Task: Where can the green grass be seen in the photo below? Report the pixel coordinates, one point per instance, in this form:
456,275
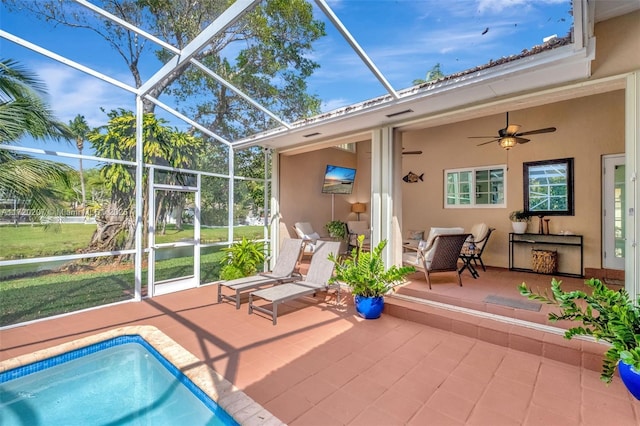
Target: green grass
47,294
42,296
26,241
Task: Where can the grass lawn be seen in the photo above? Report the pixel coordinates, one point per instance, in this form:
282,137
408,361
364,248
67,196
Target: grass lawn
47,294
26,299
26,241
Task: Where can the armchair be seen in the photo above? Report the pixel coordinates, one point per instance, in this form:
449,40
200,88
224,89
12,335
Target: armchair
355,228
309,237
440,253
474,248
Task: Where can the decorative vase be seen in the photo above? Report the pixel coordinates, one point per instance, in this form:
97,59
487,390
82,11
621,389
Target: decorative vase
519,227
631,378
369,307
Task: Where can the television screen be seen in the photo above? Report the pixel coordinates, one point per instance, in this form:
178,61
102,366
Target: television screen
338,180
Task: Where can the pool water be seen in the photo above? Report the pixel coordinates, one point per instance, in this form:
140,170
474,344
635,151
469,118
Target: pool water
123,381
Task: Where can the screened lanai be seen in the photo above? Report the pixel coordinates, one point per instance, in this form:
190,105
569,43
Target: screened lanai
262,94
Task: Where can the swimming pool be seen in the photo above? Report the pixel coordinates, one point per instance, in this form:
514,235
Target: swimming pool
134,347
119,381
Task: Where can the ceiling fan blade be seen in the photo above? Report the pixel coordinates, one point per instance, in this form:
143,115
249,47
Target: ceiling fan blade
484,143
411,152
480,137
536,132
521,140
512,129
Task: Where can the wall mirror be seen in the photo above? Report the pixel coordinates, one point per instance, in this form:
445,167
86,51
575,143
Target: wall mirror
548,187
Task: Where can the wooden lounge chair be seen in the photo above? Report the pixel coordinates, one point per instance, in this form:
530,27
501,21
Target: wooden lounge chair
317,279
283,272
440,256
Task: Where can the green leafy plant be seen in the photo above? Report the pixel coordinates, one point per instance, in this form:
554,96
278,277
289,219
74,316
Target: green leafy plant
519,216
617,320
242,259
364,272
337,229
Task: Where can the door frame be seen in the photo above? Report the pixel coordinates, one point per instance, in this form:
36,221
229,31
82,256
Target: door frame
157,288
609,261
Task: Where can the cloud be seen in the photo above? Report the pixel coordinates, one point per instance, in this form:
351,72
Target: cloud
72,92
498,6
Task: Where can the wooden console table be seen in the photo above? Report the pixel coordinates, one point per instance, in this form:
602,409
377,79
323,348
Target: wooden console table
566,246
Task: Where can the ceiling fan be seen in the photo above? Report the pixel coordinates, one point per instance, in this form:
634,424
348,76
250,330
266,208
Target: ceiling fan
510,136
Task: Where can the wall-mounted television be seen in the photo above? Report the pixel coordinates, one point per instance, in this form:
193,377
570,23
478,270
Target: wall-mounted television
338,180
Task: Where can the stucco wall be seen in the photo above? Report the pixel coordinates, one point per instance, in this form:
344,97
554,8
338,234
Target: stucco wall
587,128
301,197
617,46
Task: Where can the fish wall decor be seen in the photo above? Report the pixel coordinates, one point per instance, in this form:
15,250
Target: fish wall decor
413,178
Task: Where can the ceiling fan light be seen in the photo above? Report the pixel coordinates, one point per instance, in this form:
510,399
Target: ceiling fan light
508,142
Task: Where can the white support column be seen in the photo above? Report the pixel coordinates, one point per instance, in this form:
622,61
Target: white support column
139,200
232,174
384,191
632,149
196,231
273,219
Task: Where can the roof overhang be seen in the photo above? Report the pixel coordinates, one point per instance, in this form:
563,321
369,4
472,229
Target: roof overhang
549,68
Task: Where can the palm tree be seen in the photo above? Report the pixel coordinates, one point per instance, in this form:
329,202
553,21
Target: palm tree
79,129
23,112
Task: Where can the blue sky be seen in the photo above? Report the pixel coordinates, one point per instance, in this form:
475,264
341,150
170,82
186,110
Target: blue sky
404,38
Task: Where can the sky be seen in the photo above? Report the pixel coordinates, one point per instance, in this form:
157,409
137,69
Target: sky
404,38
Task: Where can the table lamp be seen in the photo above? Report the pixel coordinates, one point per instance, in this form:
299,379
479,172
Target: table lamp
358,208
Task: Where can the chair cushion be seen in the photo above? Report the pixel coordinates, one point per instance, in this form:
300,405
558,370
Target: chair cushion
416,235
479,232
358,227
433,233
303,229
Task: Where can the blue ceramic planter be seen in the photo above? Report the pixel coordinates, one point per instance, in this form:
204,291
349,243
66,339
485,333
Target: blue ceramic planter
631,378
369,307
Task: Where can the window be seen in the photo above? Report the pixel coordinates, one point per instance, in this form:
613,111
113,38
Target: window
475,187
548,187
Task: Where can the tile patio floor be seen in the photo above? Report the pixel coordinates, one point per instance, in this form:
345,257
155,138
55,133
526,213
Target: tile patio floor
322,365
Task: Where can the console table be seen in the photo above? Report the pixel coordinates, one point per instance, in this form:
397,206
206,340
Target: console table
568,247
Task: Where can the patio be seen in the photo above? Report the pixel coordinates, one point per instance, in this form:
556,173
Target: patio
323,365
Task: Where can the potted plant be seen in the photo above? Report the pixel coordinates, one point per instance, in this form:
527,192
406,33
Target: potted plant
617,322
365,274
337,229
242,260
519,221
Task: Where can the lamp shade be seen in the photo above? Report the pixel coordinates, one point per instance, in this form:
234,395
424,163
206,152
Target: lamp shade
358,208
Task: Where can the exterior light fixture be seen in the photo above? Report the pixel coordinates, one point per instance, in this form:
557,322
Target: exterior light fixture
508,142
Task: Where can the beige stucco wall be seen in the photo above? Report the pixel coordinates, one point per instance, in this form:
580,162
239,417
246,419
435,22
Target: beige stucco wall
301,197
587,128
617,46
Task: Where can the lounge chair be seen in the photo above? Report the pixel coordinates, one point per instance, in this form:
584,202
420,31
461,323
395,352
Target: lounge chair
283,271
317,279
441,255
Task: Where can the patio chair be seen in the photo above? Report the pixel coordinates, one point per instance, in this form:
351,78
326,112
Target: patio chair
355,228
283,271
441,255
474,248
317,279
309,237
